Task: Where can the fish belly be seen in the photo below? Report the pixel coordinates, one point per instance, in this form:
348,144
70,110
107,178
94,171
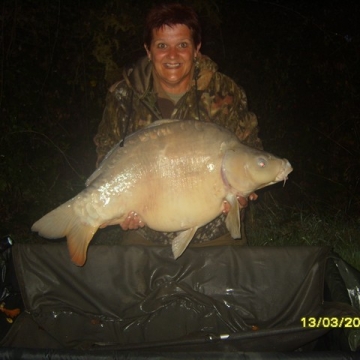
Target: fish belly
173,205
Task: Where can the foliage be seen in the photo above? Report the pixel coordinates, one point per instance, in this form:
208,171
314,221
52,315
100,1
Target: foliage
46,108
117,37
269,224
298,62
300,70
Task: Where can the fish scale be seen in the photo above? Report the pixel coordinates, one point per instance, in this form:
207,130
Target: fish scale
175,174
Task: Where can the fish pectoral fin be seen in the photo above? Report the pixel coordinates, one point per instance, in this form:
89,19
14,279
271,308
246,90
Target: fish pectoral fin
232,220
78,241
180,243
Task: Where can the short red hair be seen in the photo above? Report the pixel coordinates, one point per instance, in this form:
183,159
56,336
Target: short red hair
170,15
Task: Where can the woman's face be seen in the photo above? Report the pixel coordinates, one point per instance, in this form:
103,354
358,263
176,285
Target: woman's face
172,52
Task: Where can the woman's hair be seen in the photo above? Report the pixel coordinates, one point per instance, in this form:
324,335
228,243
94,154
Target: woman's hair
170,15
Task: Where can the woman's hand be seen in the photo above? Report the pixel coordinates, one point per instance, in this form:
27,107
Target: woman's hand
243,202
132,222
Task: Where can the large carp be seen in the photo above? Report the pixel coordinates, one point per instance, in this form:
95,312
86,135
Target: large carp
175,175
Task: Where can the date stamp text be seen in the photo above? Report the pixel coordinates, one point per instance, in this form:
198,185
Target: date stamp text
330,322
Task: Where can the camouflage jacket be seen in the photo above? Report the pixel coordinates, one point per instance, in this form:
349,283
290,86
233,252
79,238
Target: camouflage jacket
132,103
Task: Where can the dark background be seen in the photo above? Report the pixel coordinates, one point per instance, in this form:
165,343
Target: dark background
298,62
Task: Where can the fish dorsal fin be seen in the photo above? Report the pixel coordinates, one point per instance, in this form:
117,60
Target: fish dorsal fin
99,170
160,122
233,217
93,176
180,243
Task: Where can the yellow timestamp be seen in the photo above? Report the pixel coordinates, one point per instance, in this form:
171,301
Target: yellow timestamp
330,322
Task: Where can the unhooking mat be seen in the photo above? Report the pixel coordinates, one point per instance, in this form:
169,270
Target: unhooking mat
211,298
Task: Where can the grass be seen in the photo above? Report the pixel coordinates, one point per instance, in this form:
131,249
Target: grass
269,224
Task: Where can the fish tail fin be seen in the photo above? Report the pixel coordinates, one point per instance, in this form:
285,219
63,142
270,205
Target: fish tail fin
180,243
55,224
63,222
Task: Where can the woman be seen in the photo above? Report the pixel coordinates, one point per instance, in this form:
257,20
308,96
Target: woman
174,81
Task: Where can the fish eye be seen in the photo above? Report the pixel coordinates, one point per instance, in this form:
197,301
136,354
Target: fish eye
261,162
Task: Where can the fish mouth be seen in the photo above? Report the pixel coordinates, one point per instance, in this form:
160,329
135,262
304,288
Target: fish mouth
285,171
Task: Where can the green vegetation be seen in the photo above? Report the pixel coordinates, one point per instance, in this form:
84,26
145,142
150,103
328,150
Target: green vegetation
298,62
270,224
